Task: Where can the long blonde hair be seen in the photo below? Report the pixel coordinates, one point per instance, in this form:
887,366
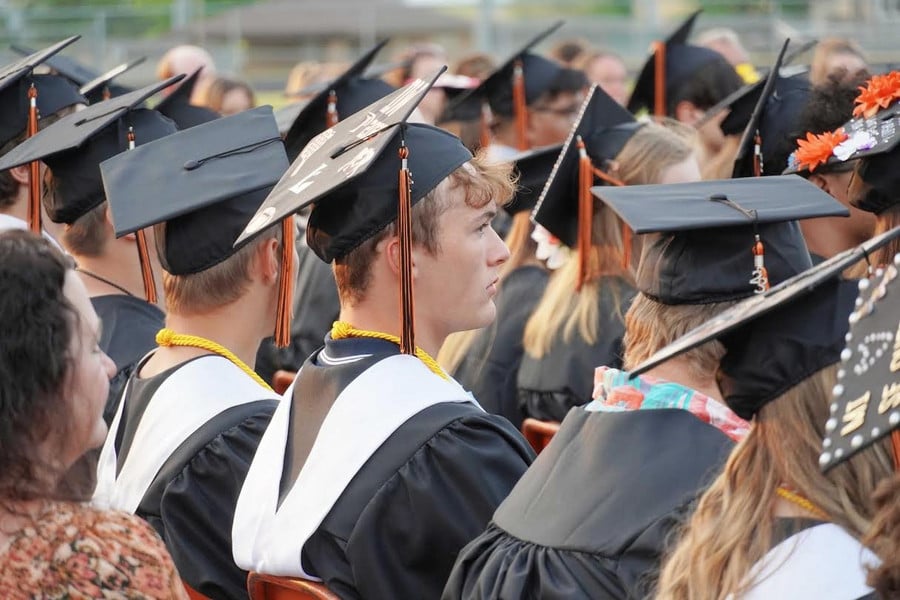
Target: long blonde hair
562,310
731,529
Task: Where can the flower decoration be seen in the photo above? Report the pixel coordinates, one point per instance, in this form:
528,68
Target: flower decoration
549,248
815,150
879,92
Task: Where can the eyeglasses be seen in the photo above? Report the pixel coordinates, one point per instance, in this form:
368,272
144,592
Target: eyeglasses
569,112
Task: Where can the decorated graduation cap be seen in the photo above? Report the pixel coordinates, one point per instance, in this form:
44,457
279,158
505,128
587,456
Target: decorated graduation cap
102,87
866,399
672,62
350,174
344,96
720,240
18,76
205,183
565,207
777,340
177,105
65,66
533,168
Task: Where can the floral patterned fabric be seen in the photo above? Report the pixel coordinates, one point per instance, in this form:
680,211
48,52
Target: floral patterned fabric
76,552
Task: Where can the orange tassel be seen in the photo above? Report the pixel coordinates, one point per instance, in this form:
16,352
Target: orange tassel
760,276
626,246
895,445
608,178
585,214
757,155
520,106
331,113
106,93
659,97
146,268
285,308
485,129
34,183
404,230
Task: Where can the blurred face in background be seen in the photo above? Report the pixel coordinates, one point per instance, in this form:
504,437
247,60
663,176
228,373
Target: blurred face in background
609,72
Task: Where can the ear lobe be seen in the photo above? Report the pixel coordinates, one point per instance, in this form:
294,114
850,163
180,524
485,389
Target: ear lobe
21,174
820,182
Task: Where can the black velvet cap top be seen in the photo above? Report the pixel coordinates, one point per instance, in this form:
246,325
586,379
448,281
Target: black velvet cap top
177,105
351,173
707,231
533,168
97,88
777,339
866,402
65,66
205,183
682,61
74,146
54,93
605,128
14,71
353,93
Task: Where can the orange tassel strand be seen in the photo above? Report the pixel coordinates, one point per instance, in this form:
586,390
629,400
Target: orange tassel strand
757,155
659,98
143,251
760,276
34,183
331,113
895,446
285,307
404,229
520,106
585,213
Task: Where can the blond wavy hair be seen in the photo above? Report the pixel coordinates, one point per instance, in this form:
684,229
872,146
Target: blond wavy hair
731,529
652,149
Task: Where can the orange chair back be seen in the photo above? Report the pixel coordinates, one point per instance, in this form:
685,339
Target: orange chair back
539,433
194,594
271,587
282,380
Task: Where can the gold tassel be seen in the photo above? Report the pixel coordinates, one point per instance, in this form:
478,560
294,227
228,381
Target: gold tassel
143,251
285,308
626,246
34,183
331,113
659,97
585,214
520,106
404,229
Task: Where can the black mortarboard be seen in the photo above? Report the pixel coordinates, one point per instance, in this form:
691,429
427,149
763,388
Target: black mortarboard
74,146
605,127
286,115
682,61
866,405
102,87
352,92
708,250
533,168
205,183
177,105
54,93
69,68
755,307
12,72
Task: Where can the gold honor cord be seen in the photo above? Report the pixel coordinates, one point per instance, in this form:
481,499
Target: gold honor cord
802,502
166,337
343,330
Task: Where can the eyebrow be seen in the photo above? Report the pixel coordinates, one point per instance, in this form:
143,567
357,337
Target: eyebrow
488,214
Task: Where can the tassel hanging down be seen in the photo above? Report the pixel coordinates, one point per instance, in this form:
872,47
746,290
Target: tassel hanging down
404,229
659,80
331,113
143,251
285,307
760,276
34,182
585,214
520,106
757,155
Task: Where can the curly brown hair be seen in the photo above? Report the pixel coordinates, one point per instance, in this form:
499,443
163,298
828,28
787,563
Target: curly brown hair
884,538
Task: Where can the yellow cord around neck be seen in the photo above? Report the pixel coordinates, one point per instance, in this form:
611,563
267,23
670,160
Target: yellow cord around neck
341,330
167,337
797,499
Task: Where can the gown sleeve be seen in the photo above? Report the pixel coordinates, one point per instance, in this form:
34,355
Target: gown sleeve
408,536
197,505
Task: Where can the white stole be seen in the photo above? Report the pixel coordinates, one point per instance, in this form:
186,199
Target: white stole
269,538
195,393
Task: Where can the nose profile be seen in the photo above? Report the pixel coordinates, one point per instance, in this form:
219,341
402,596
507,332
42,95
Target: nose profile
499,252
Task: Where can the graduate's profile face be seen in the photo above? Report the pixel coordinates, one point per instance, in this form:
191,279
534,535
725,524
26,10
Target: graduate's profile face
90,371
455,287
550,120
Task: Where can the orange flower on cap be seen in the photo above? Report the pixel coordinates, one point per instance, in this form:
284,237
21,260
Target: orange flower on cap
878,93
815,150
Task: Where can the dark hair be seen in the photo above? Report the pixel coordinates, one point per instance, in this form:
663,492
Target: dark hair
8,185
37,324
706,87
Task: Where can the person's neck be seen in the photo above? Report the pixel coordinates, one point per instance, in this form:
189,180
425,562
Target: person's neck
676,369
227,326
18,209
828,236
372,316
118,265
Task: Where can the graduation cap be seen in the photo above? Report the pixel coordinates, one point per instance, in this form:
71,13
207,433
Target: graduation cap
54,93
565,207
205,183
177,105
101,87
533,168
672,62
455,86
866,399
17,75
68,67
721,240
344,96
286,115
350,172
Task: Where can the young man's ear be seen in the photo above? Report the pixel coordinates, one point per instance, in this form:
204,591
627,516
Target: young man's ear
687,112
267,260
392,255
21,174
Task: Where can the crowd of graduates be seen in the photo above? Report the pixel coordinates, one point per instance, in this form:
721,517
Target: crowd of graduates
516,329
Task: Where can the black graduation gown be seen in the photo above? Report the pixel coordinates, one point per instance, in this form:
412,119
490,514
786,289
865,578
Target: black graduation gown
549,386
191,500
129,332
490,368
429,489
591,516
